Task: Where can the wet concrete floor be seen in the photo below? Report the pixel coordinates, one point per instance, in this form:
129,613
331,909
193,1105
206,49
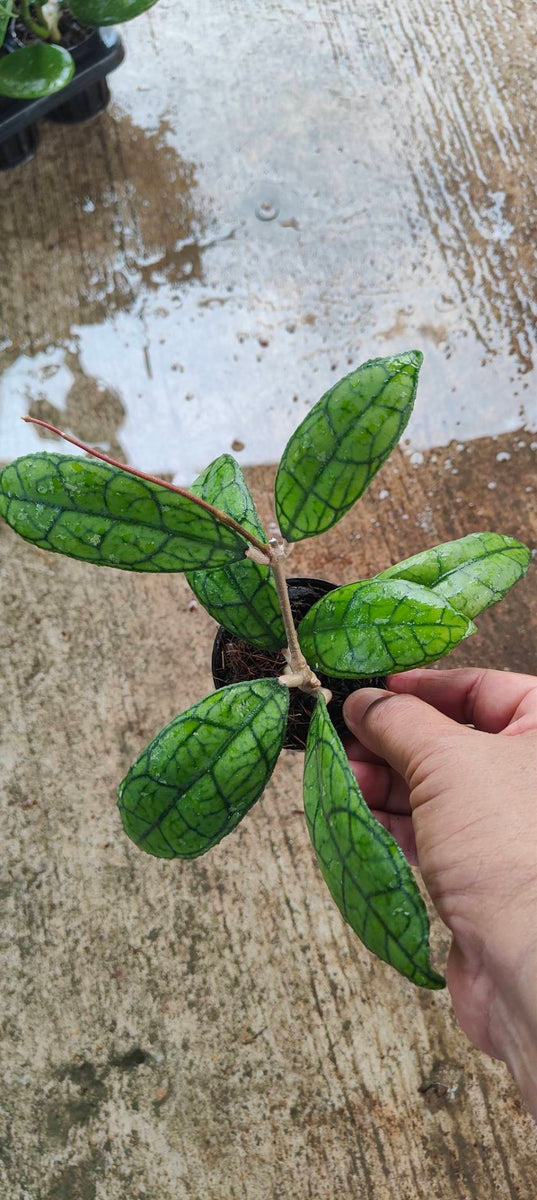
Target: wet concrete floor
272,199
275,195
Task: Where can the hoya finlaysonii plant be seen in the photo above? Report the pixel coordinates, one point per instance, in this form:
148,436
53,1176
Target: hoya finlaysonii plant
34,62
202,773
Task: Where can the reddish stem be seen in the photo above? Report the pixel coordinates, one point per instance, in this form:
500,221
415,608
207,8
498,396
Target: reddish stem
223,517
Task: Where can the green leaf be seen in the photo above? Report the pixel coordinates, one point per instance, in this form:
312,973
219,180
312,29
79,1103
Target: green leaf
333,455
374,627
472,573
108,12
36,70
103,515
6,10
364,869
222,483
202,773
241,597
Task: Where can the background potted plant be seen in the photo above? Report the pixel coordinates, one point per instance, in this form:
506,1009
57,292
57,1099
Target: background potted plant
202,773
54,59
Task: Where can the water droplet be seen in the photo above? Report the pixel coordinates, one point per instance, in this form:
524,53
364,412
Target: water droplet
266,210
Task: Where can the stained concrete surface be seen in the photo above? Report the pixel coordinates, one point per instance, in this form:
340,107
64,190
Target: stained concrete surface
211,1030
394,146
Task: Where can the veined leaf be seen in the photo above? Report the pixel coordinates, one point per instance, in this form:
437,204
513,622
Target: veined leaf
241,597
365,870
222,483
36,70
472,573
379,626
333,455
108,12
103,515
202,773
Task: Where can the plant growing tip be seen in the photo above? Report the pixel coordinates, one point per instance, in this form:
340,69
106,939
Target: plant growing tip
201,774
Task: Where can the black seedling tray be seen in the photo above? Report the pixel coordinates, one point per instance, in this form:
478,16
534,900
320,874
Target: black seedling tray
84,97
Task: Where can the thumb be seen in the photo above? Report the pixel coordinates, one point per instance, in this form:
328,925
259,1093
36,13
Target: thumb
399,728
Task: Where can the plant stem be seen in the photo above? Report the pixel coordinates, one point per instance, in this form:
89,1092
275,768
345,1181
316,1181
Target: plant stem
299,673
223,517
297,662
41,31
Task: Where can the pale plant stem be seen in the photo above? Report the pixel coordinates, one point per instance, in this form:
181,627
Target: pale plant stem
299,673
51,13
297,662
223,517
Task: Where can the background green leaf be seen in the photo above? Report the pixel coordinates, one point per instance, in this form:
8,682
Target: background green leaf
108,12
472,573
103,515
202,773
6,10
241,597
333,455
365,871
36,70
375,627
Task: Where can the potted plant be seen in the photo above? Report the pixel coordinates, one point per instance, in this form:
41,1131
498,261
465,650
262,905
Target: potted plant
54,60
283,651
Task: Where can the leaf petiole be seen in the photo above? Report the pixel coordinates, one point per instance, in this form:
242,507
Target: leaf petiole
34,26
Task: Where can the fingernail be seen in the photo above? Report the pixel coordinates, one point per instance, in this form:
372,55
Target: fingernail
357,704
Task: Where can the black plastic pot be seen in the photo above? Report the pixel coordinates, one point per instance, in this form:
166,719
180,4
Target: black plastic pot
234,660
84,97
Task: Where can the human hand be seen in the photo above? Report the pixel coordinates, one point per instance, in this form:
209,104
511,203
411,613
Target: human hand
462,802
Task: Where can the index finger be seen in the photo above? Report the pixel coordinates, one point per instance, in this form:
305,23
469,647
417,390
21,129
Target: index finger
488,699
